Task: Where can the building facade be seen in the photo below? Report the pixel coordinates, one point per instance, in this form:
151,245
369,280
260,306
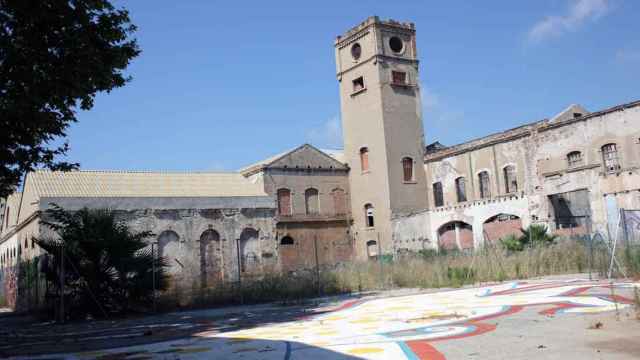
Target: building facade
385,193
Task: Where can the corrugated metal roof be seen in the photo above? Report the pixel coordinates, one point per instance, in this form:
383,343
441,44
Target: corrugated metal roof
143,184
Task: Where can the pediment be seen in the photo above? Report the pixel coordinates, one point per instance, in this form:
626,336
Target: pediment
305,157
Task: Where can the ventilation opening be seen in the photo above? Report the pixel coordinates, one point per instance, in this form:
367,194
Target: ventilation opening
287,240
358,84
396,44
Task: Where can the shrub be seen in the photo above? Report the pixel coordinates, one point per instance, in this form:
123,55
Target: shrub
534,235
108,268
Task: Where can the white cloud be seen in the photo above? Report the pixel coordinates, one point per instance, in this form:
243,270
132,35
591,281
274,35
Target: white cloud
578,14
628,55
327,135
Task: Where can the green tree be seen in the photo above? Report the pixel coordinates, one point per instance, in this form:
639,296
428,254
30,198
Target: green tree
55,56
108,268
533,235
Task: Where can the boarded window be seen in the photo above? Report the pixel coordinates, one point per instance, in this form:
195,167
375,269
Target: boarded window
284,202
358,84
407,169
372,248
339,202
485,185
574,159
364,159
510,179
399,77
461,189
311,201
438,197
368,213
610,157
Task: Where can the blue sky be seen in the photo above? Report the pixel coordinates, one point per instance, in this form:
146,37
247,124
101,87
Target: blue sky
222,84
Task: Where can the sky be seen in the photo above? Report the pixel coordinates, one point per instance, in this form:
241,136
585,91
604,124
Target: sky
222,84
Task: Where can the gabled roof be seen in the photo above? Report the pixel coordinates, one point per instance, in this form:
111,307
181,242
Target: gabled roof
46,183
304,156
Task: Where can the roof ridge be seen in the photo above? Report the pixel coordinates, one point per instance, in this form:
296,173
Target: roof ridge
139,171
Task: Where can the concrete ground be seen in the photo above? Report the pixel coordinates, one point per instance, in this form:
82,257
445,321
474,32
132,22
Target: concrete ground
551,318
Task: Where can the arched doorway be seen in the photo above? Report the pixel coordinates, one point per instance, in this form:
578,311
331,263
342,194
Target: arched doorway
249,250
168,247
500,226
455,235
211,265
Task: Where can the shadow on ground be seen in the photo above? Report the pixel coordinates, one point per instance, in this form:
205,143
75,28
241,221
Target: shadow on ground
22,335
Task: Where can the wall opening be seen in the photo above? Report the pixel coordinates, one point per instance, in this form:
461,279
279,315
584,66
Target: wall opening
287,240
284,202
438,196
485,185
500,226
372,248
369,215
455,235
407,169
364,159
311,201
461,189
510,179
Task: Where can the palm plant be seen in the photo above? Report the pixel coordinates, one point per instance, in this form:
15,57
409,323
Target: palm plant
107,267
533,235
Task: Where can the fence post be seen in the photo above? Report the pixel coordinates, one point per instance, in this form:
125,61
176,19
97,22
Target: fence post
380,261
153,271
62,282
315,247
239,271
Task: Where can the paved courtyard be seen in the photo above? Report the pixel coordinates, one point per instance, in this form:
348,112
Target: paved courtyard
568,319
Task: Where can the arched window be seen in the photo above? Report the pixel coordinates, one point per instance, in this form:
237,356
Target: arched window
287,240
610,157
407,169
510,179
574,159
249,250
372,248
311,201
339,201
485,185
438,196
461,190
6,219
167,244
364,159
284,202
368,213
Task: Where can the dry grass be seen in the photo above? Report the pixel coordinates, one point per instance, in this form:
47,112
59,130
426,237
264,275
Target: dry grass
426,270
489,264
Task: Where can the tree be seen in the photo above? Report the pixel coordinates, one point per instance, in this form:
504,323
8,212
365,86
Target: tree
55,56
107,267
533,235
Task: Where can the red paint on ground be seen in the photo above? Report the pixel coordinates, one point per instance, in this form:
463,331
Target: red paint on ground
424,351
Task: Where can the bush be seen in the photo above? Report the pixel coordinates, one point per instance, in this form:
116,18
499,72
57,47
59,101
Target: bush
534,235
108,268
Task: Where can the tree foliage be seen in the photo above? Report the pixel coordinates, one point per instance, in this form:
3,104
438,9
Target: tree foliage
107,267
55,56
534,235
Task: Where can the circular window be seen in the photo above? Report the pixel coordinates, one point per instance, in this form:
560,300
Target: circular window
356,51
396,44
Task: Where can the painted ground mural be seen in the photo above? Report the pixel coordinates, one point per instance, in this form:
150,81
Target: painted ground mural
406,327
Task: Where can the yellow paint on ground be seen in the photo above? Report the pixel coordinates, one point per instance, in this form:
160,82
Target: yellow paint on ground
365,350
